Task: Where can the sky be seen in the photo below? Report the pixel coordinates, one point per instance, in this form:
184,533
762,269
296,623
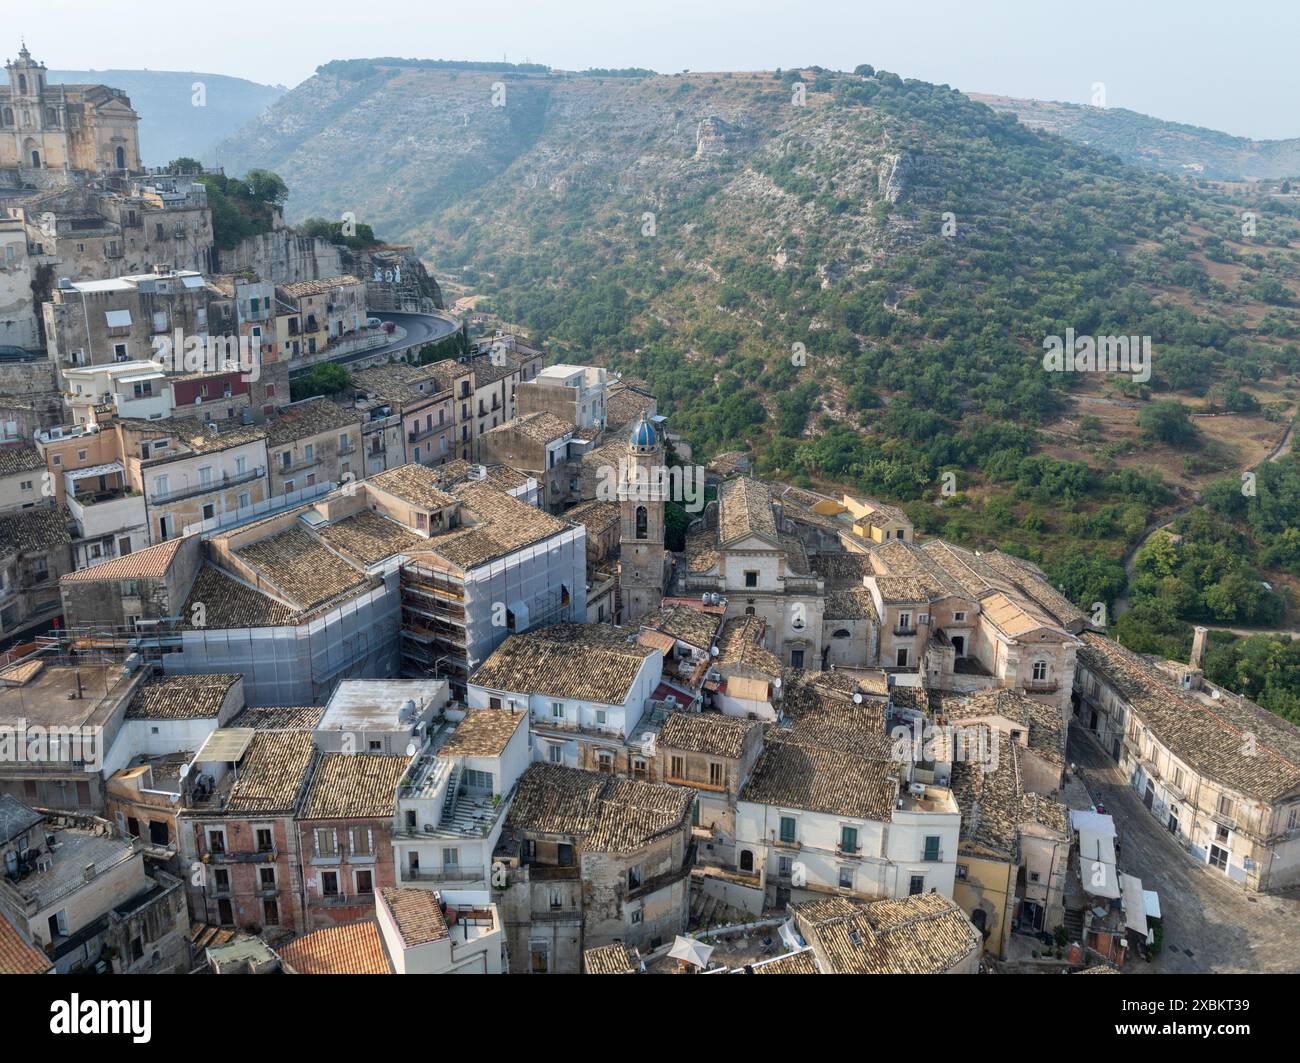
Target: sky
1226,66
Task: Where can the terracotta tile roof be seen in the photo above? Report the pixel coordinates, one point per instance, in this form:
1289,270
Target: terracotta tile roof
625,406
300,568
272,773
692,626
616,958
193,436
711,733
303,420
1033,582
906,589
181,697
354,786
16,955
231,603
850,603
701,551
416,913
1207,738
590,662
841,568
153,562
414,484
596,516
482,733
298,289
15,460
369,537
540,427
1042,722
745,508
353,948
34,531
923,934
279,717
990,800
501,525
816,779
1101,968
502,477
739,646
610,814
819,713
802,962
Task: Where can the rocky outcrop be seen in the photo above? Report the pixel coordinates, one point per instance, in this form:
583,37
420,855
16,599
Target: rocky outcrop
714,137
395,279
894,172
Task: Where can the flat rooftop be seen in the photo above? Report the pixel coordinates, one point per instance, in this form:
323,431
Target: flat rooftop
376,704
67,695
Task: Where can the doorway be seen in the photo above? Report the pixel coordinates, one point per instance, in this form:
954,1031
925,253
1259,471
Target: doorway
959,645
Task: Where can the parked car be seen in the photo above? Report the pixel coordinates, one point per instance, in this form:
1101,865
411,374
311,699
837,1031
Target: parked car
389,327
373,322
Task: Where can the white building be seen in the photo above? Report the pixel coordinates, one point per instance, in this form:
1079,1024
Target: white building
812,820
452,932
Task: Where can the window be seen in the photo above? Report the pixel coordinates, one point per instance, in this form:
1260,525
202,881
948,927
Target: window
600,717
271,912
365,880
1225,806
1292,819
751,578
677,767
557,710
264,840
266,878
846,878
962,872
555,754
309,452
916,885
216,840
904,621
494,703
849,839
1221,834
642,523
634,877
1040,671
958,617
796,658
902,657
327,842
329,884
1178,778
605,762
221,880
788,829
361,841
784,867
637,917
715,774
1034,876
1218,858
478,780
931,849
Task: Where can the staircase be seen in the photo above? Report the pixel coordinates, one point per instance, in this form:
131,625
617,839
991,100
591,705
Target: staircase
453,791
1074,924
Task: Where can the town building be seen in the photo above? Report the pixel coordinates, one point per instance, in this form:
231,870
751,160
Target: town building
448,932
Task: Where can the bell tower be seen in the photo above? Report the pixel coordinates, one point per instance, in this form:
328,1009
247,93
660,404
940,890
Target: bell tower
642,492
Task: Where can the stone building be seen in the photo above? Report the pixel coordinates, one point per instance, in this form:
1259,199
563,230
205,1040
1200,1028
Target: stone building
64,127
588,860
642,495
1218,771
312,442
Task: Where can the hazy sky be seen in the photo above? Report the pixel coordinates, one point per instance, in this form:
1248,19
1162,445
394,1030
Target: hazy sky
1229,66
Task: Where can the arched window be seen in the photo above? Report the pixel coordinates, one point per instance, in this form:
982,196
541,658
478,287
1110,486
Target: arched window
9,116
121,159
842,633
36,160
642,522
22,84
51,116
746,860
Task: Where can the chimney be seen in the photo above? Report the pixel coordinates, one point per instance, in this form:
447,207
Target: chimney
88,872
1198,646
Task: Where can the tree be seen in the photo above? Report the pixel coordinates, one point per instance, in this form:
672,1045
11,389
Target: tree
266,187
1166,420
864,70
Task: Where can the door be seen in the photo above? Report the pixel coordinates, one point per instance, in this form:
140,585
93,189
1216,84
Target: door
1218,857
959,645
225,916
1150,795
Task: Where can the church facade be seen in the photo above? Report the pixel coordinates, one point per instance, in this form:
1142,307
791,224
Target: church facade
64,127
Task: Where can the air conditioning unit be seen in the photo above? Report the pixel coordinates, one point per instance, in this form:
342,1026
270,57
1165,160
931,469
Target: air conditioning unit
429,828
916,789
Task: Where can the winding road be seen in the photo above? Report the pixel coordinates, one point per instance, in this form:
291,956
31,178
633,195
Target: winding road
419,330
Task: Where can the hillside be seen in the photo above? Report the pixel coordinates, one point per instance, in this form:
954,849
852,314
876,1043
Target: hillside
170,125
1153,144
858,289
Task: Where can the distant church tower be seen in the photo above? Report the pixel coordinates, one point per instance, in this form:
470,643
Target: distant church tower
641,497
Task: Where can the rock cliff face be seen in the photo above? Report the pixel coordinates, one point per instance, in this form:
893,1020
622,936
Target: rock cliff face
895,171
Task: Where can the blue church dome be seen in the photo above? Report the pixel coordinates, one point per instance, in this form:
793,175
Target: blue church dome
643,434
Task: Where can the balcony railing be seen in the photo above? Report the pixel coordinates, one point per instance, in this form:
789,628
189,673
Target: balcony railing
216,484
1042,686
909,629
460,873
932,856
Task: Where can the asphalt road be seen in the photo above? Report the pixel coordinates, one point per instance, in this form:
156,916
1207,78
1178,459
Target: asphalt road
1211,925
420,329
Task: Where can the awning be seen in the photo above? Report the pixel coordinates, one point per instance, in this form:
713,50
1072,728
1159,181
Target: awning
1097,822
1097,870
1151,903
118,318
1135,915
228,744
747,689
106,469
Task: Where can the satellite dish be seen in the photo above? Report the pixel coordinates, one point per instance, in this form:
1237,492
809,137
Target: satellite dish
776,683
713,652
857,699
410,749
185,771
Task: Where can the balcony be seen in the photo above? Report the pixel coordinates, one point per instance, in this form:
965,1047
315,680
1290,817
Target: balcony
216,484
1041,686
107,512
423,433
459,873
932,856
901,630
553,872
